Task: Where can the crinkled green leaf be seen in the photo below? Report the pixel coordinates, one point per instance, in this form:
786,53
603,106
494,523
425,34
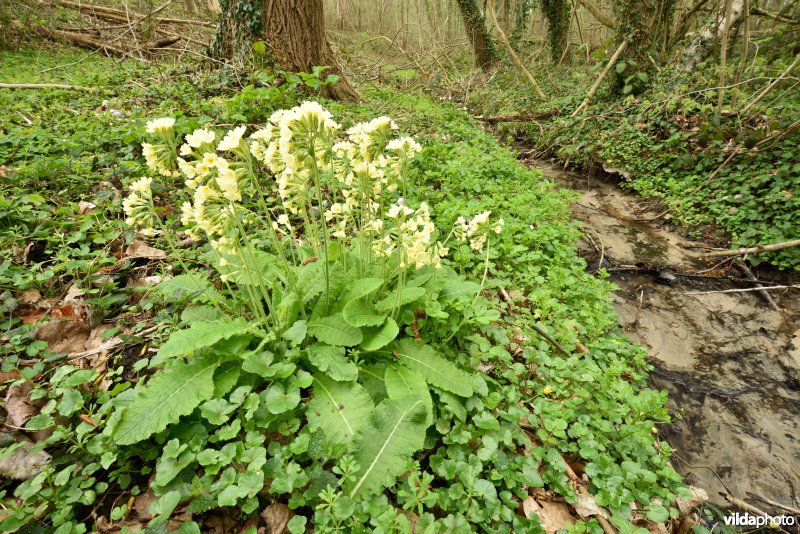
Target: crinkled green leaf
379,336
173,392
402,382
437,371
332,361
339,409
199,336
383,447
359,313
333,330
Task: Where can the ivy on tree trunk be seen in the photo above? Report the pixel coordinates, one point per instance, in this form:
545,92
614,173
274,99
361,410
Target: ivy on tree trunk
294,34
485,53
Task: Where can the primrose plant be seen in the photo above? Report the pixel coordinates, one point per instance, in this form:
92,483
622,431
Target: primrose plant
328,344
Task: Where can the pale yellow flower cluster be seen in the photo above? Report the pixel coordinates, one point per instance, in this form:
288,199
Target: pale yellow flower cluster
138,206
411,234
476,230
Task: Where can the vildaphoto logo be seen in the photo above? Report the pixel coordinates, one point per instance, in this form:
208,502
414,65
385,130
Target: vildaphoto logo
766,520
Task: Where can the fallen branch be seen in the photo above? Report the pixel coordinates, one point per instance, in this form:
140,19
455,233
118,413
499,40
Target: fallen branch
493,119
601,17
753,250
48,86
775,16
511,51
82,40
795,511
764,294
747,507
122,15
607,527
746,290
606,70
538,329
771,86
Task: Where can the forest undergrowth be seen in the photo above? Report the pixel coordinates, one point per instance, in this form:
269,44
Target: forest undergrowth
302,320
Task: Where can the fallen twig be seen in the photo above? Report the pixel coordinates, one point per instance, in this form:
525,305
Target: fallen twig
753,250
538,329
511,52
745,290
603,74
525,117
48,86
764,294
794,511
747,507
607,527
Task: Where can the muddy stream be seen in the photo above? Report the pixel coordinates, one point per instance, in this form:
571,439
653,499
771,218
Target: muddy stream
731,364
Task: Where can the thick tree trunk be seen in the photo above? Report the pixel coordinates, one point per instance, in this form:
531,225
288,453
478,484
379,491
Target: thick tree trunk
703,41
474,22
293,30
557,13
647,27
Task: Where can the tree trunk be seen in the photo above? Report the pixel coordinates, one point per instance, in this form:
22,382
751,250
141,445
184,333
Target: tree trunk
647,26
557,13
293,31
482,44
703,42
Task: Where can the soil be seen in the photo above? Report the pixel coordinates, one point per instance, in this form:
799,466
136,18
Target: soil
731,364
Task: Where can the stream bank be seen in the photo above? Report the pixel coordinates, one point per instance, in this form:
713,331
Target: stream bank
731,364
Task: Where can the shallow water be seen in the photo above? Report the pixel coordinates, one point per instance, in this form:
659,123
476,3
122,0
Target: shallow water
730,363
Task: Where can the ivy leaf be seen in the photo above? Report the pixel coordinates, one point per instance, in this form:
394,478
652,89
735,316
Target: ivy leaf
426,361
332,361
339,409
333,330
279,399
402,382
359,312
173,392
200,335
395,431
378,337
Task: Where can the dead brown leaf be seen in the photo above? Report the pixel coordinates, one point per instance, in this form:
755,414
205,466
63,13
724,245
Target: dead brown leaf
86,207
140,249
553,515
586,506
687,506
64,335
22,464
19,407
276,516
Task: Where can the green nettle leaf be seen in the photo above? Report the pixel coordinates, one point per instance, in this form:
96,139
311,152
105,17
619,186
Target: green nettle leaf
333,330
378,337
362,313
402,382
279,399
200,335
395,431
426,361
407,295
332,361
339,409
173,392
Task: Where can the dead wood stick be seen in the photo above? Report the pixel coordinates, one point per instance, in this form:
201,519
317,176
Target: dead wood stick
795,511
744,290
603,74
753,250
764,294
607,527
493,119
771,86
48,86
512,53
538,329
746,507
115,14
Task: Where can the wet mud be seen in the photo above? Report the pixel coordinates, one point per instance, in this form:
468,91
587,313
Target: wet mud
731,364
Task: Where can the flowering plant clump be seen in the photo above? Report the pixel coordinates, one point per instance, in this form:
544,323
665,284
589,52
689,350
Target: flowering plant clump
336,284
